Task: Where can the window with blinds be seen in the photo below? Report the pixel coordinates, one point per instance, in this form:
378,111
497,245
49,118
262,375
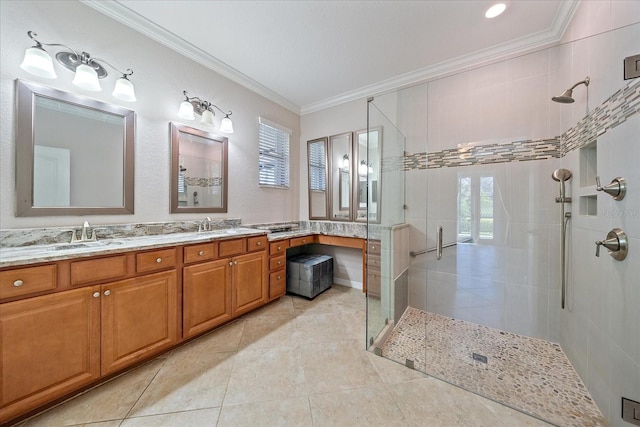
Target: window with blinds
273,143
317,167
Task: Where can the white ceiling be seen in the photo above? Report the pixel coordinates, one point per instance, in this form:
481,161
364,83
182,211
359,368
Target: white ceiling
309,55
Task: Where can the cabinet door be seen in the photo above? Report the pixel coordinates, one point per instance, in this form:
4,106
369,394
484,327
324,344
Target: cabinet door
250,285
206,295
50,345
139,319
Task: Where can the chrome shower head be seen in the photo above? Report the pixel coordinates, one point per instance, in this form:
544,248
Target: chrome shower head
561,175
567,95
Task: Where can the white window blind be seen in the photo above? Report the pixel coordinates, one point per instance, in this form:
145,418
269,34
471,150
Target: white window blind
317,167
274,154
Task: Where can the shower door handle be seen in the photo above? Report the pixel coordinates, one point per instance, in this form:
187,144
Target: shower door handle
439,243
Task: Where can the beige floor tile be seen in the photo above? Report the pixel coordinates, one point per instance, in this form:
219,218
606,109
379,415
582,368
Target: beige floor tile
392,372
110,401
224,339
266,374
337,366
269,331
323,303
196,418
288,412
187,382
442,404
323,327
509,417
356,407
280,307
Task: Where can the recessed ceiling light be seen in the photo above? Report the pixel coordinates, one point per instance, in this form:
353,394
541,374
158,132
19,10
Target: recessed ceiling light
495,10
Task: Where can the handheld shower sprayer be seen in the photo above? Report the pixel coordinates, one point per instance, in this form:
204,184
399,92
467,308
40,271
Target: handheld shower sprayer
562,175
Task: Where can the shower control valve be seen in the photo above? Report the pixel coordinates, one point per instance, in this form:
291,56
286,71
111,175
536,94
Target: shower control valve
616,189
617,244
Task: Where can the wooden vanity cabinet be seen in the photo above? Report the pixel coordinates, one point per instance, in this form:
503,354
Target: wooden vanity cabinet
249,282
139,319
50,346
206,296
277,268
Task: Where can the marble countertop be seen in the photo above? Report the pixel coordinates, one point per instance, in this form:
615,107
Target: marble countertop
281,235
24,255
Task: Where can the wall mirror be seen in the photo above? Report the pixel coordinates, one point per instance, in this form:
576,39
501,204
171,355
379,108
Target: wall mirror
341,158
74,155
368,161
318,190
198,170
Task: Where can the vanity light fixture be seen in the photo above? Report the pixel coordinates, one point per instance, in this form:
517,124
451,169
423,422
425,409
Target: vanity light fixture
192,105
345,162
363,168
87,70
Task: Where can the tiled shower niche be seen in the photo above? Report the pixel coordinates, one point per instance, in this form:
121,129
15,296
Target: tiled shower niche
588,203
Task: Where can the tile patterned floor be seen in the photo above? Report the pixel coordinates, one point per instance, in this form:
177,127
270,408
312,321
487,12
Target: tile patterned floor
292,363
528,373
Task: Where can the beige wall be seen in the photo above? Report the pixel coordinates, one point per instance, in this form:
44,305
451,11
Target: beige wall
160,77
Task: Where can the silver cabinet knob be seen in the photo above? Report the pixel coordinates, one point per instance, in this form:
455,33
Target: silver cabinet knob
279,248
18,283
235,262
230,262
96,294
258,243
201,253
107,293
279,277
158,260
279,262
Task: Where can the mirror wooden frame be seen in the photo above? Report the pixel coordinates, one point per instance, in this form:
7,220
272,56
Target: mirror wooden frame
373,194
175,129
26,93
327,180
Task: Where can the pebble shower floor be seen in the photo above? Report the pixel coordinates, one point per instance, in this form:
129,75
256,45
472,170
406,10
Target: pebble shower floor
528,374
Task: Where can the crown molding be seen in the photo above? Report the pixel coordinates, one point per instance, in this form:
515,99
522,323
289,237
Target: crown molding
520,46
131,19
528,44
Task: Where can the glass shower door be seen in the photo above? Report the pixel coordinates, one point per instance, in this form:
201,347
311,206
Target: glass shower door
385,212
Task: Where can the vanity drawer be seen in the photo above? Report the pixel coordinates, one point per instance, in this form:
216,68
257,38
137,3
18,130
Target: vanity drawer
277,284
277,262
373,262
202,252
279,247
25,281
95,270
299,241
232,247
257,243
374,247
155,260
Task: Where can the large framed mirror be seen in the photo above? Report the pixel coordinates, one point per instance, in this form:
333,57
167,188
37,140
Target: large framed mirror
74,155
341,158
367,184
198,170
318,170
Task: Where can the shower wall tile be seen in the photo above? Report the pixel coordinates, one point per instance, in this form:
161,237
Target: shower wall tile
624,12
527,109
598,380
600,58
625,381
526,308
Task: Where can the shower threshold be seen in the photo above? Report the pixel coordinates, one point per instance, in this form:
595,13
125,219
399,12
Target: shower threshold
528,374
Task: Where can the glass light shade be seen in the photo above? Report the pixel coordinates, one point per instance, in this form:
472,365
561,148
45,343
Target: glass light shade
345,162
186,111
124,90
362,169
86,78
226,125
38,62
207,117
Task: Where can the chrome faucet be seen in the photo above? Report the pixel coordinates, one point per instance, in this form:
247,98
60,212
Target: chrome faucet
87,235
206,225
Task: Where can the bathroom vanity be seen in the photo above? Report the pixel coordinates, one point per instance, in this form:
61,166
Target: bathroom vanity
73,315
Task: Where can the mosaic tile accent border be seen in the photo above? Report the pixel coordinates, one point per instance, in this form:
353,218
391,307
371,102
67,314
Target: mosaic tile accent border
614,111
530,374
203,182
